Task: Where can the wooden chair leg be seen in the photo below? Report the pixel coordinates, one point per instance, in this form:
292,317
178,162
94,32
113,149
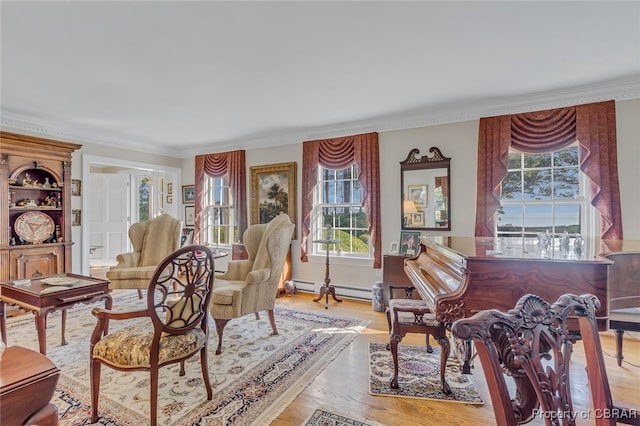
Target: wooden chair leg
204,365
272,320
220,323
393,343
153,398
139,293
182,372
94,379
428,344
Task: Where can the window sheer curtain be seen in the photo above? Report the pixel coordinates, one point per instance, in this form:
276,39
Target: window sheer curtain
592,125
339,153
230,163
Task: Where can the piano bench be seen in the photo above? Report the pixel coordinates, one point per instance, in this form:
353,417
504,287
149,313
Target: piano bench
414,316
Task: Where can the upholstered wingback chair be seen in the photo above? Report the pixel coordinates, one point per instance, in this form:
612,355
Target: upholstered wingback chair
152,241
251,285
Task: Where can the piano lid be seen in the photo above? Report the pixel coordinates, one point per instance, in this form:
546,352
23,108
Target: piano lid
528,248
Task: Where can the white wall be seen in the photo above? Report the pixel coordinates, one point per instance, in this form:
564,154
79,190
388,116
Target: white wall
458,141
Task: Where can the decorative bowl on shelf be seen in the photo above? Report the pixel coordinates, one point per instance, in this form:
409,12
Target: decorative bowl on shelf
34,227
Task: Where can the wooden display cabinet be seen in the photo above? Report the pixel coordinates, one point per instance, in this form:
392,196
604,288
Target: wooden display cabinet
35,183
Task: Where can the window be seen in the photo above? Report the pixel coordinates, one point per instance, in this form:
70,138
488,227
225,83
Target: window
218,223
543,192
338,204
144,186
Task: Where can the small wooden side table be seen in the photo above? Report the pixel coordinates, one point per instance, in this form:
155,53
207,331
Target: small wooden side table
37,296
27,382
327,289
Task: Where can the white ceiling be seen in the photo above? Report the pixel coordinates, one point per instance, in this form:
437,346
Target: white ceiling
207,76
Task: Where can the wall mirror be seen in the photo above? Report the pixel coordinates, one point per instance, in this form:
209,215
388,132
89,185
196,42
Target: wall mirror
426,191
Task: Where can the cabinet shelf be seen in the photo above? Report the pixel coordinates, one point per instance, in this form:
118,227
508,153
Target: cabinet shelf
34,188
39,208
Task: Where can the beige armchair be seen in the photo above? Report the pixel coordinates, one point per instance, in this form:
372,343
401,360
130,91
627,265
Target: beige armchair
251,285
152,241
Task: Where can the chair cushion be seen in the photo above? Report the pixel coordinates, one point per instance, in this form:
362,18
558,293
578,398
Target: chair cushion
129,347
408,318
223,291
137,273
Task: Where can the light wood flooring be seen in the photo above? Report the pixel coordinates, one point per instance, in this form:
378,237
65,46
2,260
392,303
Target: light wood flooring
344,384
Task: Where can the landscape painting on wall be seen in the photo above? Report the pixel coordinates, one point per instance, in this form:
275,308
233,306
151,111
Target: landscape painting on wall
273,191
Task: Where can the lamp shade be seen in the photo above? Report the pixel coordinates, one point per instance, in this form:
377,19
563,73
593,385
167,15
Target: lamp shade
408,206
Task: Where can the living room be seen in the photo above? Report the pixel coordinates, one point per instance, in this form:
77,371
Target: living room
455,131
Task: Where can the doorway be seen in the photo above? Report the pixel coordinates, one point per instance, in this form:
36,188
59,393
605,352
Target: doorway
119,193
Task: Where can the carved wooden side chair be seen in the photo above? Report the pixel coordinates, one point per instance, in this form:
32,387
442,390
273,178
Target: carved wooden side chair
533,344
407,315
178,298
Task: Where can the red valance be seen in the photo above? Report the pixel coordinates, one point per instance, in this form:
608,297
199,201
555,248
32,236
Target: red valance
592,125
230,163
339,153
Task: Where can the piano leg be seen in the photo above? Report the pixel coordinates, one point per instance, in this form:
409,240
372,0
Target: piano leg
466,366
445,349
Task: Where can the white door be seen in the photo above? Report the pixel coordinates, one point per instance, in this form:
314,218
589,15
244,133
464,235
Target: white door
109,217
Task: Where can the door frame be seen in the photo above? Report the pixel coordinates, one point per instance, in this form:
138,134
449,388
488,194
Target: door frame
174,173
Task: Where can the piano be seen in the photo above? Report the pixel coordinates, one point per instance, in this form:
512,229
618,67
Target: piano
459,276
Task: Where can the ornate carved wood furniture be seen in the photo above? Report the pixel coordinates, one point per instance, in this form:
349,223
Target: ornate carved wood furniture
35,188
459,276
532,343
180,288
407,315
27,382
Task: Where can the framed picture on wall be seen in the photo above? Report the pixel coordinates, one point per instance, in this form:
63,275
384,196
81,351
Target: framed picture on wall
273,191
418,194
188,194
76,187
189,215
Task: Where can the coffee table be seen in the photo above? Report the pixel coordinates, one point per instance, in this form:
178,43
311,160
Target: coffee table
41,298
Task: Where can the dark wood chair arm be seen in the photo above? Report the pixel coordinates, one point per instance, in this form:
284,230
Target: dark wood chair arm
109,314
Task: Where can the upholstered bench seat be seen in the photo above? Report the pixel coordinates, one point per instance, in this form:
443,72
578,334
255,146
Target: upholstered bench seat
414,316
408,311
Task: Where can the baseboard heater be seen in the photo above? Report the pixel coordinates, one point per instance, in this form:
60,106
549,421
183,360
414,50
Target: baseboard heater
350,292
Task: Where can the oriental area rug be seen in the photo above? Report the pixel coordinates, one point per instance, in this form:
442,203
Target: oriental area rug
254,379
328,417
418,375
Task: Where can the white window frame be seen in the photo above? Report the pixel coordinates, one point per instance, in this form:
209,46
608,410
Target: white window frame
318,231
589,218
212,212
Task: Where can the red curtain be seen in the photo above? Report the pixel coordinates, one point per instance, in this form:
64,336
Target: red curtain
339,153
230,163
592,125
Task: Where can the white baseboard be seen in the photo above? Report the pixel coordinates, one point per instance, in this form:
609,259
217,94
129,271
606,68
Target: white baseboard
350,292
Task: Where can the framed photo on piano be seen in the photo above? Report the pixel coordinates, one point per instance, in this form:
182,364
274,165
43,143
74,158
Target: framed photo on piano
409,243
